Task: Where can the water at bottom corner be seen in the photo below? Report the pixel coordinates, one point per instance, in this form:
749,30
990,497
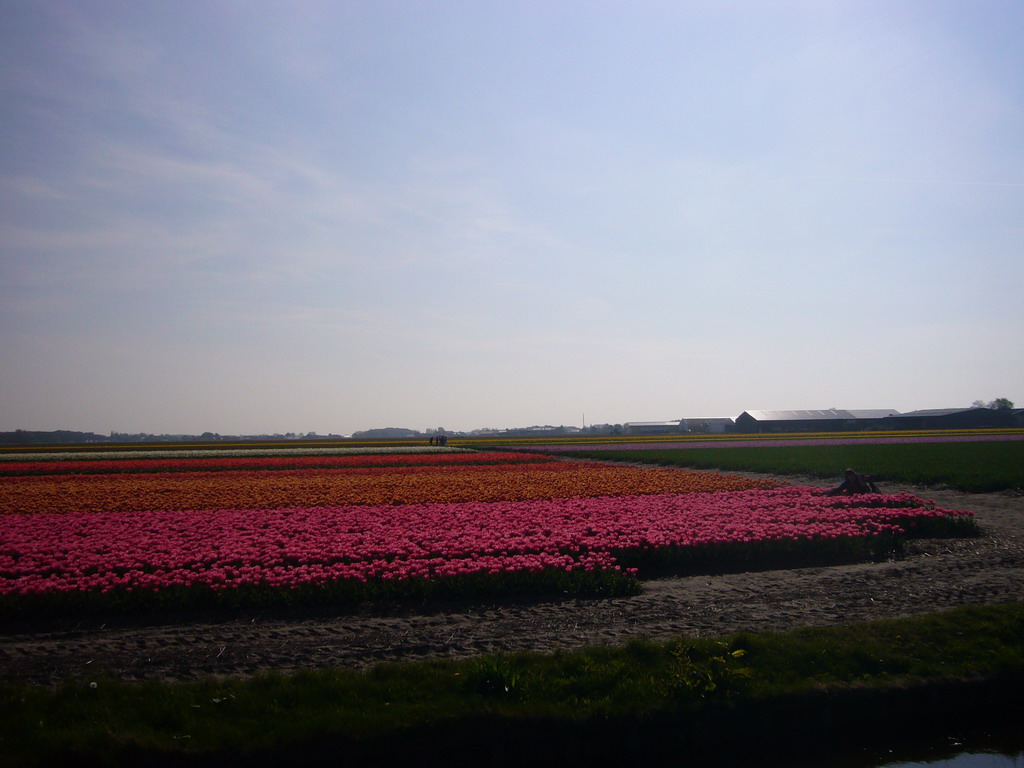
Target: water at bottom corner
965,760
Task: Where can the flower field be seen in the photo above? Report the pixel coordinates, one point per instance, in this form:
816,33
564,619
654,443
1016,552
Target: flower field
191,461
519,479
210,533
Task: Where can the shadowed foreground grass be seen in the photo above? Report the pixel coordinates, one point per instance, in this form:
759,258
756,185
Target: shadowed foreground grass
711,699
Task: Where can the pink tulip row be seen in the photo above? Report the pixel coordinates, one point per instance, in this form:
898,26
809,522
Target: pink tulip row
49,553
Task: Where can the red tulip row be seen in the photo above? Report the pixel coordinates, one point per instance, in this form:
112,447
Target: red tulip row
107,466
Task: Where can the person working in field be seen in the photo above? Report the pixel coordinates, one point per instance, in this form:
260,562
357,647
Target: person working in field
854,482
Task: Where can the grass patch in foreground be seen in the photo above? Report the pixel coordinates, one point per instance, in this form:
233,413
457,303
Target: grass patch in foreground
708,694
979,467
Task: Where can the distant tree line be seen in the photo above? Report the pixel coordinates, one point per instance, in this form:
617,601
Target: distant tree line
29,437
60,436
26,437
387,433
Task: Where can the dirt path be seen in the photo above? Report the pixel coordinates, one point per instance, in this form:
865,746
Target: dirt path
935,574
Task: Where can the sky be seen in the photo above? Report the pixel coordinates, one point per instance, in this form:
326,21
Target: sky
269,217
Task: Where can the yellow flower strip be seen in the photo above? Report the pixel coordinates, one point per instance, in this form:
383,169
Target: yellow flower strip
335,487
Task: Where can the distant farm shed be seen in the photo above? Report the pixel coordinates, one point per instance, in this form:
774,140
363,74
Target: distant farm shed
951,418
708,425
654,427
829,420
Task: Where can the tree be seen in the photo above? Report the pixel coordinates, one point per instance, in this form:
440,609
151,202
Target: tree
999,404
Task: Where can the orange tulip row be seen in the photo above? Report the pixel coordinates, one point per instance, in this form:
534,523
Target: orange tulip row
336,487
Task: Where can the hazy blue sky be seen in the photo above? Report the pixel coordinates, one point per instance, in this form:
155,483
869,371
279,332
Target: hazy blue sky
329,216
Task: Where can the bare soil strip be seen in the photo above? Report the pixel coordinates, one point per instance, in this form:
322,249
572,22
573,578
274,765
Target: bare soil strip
935,574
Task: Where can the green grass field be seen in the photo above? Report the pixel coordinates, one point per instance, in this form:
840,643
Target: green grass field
818,686
976,467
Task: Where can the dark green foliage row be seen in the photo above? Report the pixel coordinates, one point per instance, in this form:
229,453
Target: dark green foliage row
709,697
975,467
738,557
343,594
